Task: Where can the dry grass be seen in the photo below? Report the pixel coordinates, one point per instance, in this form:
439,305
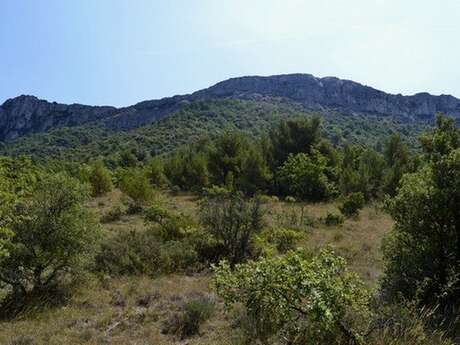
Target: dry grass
118,311
115,311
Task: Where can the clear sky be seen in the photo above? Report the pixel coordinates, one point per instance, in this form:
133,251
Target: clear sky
119,52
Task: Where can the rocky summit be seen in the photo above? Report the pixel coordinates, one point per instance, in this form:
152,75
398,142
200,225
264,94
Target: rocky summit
27,114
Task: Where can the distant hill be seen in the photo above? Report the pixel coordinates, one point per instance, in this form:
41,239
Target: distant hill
25,115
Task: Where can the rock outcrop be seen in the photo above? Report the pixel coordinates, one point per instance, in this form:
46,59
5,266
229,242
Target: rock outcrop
27,114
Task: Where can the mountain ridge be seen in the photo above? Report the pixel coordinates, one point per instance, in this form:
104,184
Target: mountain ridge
27,114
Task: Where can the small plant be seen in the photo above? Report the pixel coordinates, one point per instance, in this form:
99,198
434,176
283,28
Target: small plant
175,190
283,239
332,219
113,215
193,314
351,205
216,191
290,199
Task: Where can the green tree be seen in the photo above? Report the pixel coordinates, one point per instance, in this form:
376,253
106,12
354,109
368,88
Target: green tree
53,234
188,169
296,298
18,177
100,179
304,177
396,157
422,253
226,156
256,175
351,204
155,172
361,171
292,137
136,185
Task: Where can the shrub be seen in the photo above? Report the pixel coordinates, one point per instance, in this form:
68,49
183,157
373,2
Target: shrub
143,252
401,324
178,256
233,221
290,199
169,225
282,239
112,215
100,179
136,185
297,298
155,173
130,253
351,204
332,219
53,234
216,192
194,313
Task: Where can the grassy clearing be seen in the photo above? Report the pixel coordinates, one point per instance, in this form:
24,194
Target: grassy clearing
134,310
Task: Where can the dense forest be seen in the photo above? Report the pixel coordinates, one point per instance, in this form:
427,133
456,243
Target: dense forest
248,235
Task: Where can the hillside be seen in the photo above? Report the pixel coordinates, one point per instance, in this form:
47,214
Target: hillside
206,118
26,115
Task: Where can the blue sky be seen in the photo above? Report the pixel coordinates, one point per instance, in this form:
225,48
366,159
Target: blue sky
119,52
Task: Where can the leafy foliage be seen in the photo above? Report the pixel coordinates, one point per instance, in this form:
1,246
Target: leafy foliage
423,251
233,221
295,299
53,234
304,177
351,204
100,179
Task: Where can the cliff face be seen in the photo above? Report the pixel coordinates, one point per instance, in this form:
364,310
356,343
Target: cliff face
27,114
330,92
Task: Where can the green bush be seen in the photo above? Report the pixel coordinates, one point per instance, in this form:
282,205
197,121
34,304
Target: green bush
130,252
100,179
169,225
233,221
297,298
136,185
281,238
155,173
332,219
112,215
53,236
351,204
193,314
143,252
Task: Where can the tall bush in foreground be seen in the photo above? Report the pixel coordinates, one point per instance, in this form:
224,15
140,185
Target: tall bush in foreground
422,253
52,235
296,299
